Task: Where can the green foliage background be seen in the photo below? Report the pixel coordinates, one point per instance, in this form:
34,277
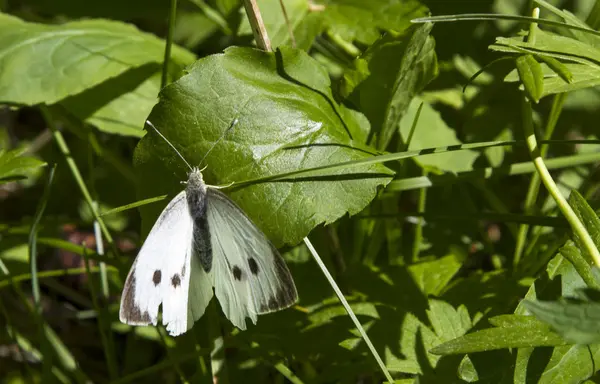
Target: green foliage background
398,148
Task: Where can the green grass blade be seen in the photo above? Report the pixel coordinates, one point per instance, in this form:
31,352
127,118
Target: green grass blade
64,149
52,273
35,286
103,327
489,172
495,16
349,310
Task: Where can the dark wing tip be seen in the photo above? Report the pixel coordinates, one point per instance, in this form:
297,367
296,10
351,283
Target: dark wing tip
287,295
130,313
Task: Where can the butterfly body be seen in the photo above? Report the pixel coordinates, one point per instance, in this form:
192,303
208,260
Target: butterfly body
195,192
203,241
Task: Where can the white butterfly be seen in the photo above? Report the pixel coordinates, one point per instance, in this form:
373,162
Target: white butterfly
202,240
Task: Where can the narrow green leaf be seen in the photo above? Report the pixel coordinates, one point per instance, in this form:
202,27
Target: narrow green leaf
552,45
387,77
587,216
559,68
531,75
573,253
584,77
133,205
578,323
499,338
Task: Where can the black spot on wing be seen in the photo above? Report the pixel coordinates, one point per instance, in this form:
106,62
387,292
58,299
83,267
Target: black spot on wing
237,273
157,277
253,265
176,280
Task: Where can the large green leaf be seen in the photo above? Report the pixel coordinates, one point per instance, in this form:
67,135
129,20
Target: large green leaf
14,166
363,20
56,61
287,120
387,77
119,105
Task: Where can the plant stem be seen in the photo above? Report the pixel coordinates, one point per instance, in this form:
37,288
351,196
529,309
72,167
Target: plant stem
534,184
105,337
258,26
35,285
287,22
419,226
169,43
549,183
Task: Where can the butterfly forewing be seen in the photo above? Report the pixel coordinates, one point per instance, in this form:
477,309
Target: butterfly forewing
250,275
161,272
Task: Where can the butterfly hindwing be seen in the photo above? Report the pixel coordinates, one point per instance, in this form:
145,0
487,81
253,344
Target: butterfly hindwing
200,292
161,272
250,277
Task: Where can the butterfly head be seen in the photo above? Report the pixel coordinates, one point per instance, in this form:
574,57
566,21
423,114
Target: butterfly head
195,181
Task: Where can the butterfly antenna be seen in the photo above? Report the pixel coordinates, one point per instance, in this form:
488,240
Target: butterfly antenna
233,124
172,146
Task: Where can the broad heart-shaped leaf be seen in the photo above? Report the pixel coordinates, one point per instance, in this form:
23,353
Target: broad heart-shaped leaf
14,166
386,78
306,22
285,120
363,20
52,62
